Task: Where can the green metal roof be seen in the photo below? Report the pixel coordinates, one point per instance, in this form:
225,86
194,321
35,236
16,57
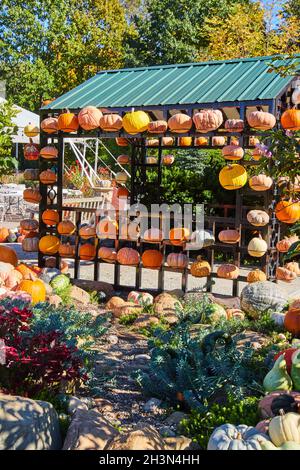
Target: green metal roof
179,84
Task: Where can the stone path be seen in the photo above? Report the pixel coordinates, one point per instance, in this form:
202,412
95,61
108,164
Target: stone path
121,353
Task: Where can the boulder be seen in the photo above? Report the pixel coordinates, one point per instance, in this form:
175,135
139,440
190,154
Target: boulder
27,424
179,443
54,299
79,295
166,304
89,431
143,437
250,339
175,418
152,405
98,286
145,320
76,404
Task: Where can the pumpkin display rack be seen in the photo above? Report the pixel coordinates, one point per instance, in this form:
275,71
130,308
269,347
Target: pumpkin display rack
136,131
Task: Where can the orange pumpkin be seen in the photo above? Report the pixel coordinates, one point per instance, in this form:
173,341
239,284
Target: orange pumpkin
87,231
228,271
253,140
68,122
36,288
218,141
49,152
31,152
121,141
178,235
157,127
123,159
200,268
167,141
49,244
284,274
290,119
32,195
89,118
154,235
292,321
168,159
50,217
66,227
294,267
201,141
177,260
232,152
260,182
261,120
152,259
107,228
49,125
8,255
229,236
28,224
256,275
113,123
26,271
128,256
122,192
4,233
87,252
284,245
48,177
288,211
208,120
152,142
234,125
180,123
185,141
67,250
31,174
107,254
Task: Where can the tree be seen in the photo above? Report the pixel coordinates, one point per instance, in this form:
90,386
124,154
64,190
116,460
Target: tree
48,47
171,31
7,130
240,34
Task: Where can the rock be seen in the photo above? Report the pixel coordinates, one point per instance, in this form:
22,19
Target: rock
250,338
129,309
112,339
175,418
76,404
54,299
103,405
80,295
227,302
114,305
145,320
166,431
89,430
27,424
142,357
152,405
170,319
179,443
166,304
143,437
98,286
176,293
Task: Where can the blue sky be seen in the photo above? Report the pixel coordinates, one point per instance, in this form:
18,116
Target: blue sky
277,6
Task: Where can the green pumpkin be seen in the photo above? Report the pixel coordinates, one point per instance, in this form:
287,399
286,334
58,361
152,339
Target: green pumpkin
278,378
295,370
60,283
214,313
288,445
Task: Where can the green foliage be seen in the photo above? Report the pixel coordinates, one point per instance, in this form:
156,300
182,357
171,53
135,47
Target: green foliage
7,129
200,424
199,367
48,47
128,319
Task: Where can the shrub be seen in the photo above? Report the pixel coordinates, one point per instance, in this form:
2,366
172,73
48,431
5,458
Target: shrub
46,348
190,370
200,424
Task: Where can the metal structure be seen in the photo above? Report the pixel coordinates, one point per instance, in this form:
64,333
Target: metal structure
236,87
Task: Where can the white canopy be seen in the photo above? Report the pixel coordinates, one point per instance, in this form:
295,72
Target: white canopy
23,118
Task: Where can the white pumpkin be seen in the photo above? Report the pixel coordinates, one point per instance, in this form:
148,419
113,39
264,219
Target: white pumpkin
140,298
296,96
257,247
241,437
285,427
